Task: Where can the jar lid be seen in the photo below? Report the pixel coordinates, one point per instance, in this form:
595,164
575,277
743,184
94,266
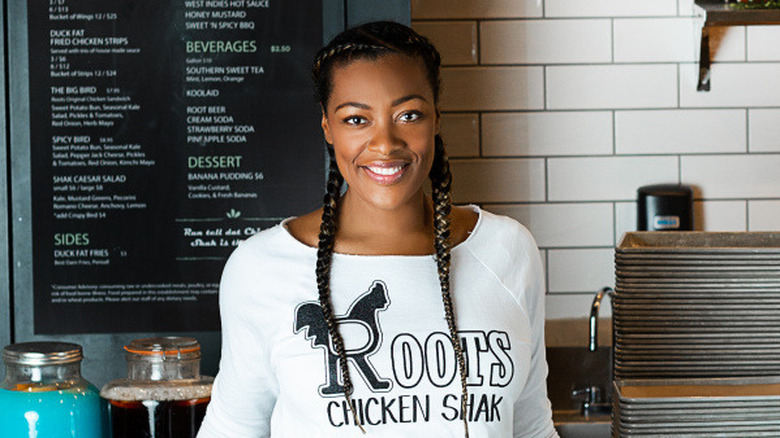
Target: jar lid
42,353
167,347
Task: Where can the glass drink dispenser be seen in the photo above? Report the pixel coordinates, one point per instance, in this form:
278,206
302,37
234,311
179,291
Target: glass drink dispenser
164,395
44,395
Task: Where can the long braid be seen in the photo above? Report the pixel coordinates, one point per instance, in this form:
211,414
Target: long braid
441,179
327,238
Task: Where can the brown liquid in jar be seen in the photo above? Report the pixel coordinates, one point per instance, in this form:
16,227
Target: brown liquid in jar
157,419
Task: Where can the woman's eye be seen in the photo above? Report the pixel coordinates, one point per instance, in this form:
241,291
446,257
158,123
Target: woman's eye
410,116
354,120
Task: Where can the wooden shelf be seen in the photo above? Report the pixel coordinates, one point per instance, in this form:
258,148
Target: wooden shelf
718,13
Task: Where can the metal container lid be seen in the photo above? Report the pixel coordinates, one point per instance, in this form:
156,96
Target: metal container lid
667,190
42,353
165,348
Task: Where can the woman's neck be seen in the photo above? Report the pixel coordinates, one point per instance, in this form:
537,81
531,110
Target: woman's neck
365,229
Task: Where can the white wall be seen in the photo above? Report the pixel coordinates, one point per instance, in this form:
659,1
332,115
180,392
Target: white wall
556,111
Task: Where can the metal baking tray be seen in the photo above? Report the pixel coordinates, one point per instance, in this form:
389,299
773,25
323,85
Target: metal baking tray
700,242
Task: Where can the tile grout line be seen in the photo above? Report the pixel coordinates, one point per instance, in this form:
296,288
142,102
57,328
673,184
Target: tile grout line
546,179
747,130
614,223
547,270
479,42
614,132
679,169
479,141
479,63
545,106
612,36
584,202
679,88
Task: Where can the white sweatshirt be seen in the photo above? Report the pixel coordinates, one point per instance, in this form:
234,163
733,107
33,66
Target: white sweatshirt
279,376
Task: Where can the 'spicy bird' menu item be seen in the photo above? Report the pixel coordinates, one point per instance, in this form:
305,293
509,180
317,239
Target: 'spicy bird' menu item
162,134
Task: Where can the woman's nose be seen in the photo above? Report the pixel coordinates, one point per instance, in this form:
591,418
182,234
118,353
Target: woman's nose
385,139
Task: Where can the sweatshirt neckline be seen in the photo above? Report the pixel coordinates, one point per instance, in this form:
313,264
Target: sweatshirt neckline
298,244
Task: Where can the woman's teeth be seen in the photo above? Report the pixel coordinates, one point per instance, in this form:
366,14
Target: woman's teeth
385,170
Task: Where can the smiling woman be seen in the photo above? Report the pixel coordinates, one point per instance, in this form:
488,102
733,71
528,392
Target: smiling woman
386,311
381,121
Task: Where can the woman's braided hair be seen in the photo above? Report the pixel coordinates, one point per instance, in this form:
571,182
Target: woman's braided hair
372,41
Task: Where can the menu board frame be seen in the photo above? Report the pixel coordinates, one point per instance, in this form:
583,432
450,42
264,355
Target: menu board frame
104,360
5,281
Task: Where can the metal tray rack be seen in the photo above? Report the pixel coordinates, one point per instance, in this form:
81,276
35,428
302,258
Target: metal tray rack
737,407
697,304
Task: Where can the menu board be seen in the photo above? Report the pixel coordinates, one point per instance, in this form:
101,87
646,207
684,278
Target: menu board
162,134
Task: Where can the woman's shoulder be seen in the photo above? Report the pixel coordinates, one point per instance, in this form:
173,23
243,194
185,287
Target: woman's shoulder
274,242
262,262
496,234
463,222
306,228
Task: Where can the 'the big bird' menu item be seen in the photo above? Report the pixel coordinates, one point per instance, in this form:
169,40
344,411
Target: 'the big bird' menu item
162,134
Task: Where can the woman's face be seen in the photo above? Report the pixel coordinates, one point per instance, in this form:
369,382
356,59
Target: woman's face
381,120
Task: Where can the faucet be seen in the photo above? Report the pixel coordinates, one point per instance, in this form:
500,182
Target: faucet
591,400
591,397
594,317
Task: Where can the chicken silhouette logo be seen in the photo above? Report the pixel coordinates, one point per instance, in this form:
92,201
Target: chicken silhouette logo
362,315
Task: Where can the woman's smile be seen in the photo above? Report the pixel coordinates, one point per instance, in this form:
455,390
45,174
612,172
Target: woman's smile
386,173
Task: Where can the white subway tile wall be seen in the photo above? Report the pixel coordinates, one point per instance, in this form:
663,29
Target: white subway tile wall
733,85
686,7
668,131
610,8
733,176
625,219
611,86
460,132
759,46
455,40
449,9
501,180
606,178
569,306
726,43
540,42
674,40
764,129
556,111
498,88
764,215
539,133
563,225
655,40
720,215
575,269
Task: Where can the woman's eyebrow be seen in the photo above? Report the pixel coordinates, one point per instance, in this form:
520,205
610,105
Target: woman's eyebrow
408,98
396,102
355,104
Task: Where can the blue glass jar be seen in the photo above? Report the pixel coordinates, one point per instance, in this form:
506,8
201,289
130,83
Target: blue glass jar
43,394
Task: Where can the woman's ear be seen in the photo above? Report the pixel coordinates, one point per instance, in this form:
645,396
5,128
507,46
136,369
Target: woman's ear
326,129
